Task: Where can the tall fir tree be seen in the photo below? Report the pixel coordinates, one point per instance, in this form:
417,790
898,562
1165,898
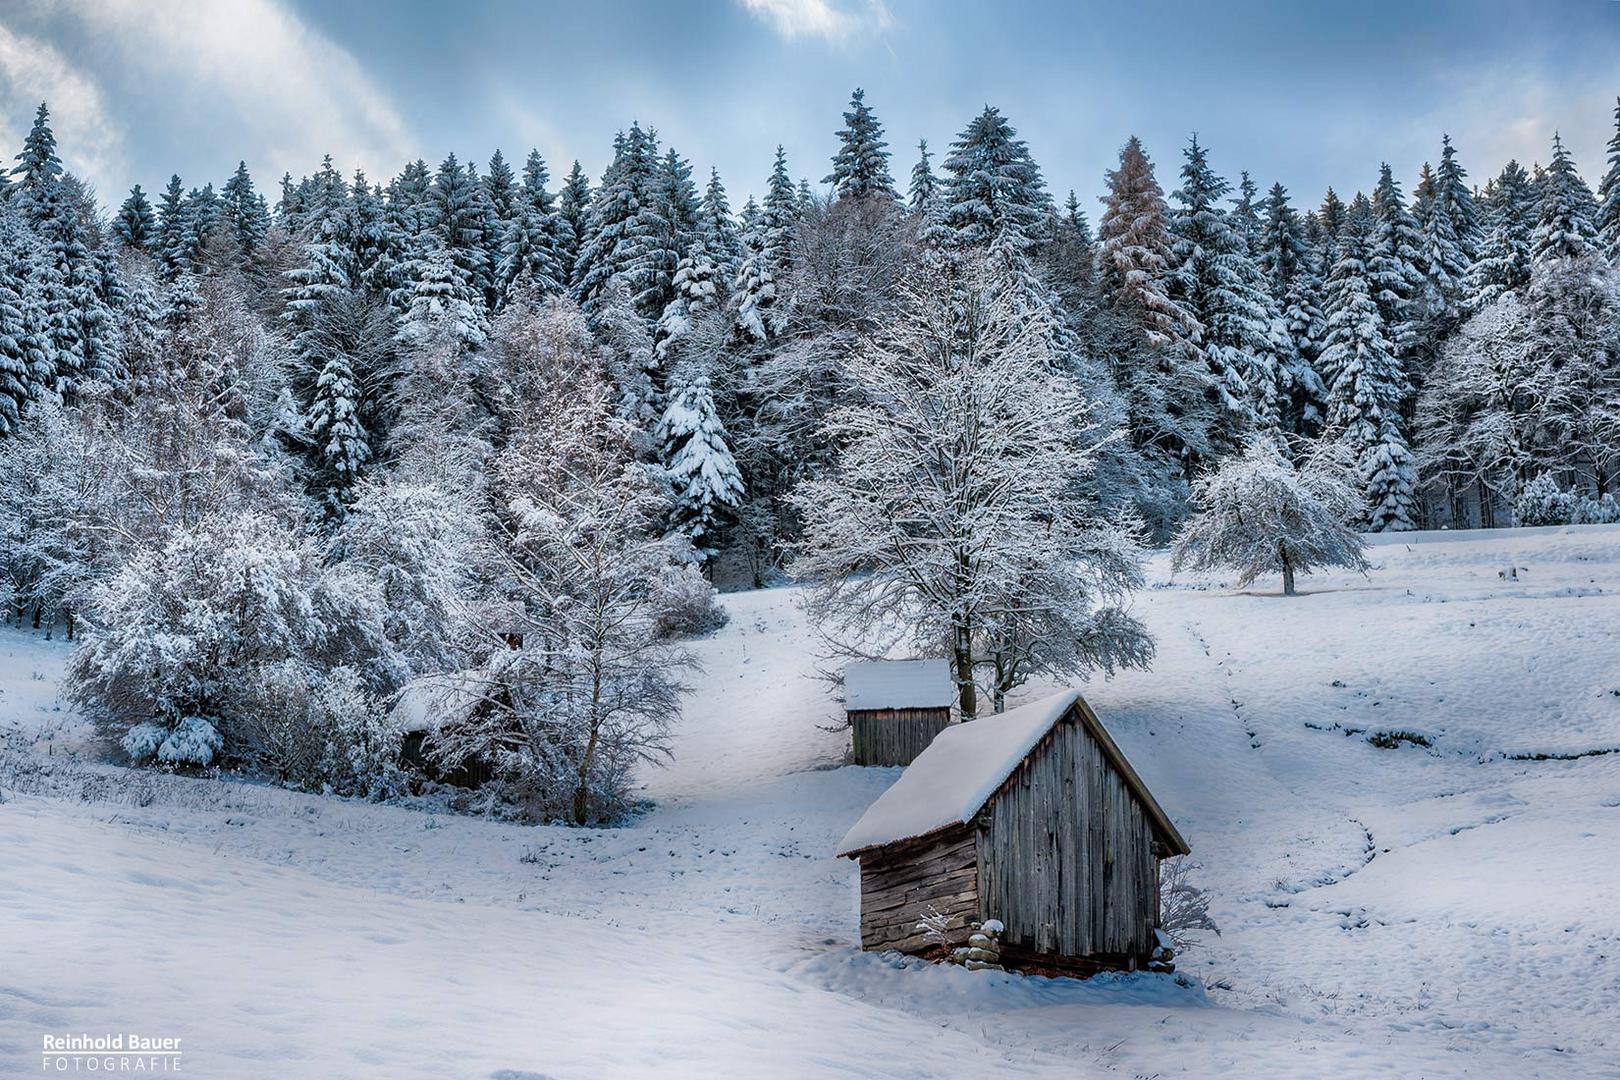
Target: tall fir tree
1608,221
1395,265
924,192
1451,239
529,251
1504,259
861,166
135,226
993,188
1367,381
621,211
26,366
761,312
38,168
1565,227
1133,252
456,215
573,215
718,229
245,212
703,474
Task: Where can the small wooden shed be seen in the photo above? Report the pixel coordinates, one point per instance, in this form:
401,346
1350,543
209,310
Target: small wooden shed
896,707
1032,817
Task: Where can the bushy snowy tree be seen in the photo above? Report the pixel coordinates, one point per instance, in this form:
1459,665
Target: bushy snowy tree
1260,513
575,685
953,493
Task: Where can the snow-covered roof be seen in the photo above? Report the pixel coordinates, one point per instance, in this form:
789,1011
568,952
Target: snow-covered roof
898,684
955,776
426,702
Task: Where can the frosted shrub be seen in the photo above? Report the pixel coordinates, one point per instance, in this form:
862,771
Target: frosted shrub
1259,513
215,637
1542,503
687,604
1604,511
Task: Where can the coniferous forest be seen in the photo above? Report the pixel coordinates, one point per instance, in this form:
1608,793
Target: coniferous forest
296,461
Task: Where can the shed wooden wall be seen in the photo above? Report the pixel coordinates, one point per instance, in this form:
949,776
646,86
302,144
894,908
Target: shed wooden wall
895,736
905,882
1065,856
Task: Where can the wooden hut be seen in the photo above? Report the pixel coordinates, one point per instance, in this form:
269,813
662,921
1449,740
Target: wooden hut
1034,818
896,707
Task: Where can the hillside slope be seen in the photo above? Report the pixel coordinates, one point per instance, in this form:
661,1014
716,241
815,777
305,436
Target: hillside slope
1442,910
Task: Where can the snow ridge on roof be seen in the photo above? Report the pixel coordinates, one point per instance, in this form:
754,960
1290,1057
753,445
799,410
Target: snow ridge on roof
952,779
898,684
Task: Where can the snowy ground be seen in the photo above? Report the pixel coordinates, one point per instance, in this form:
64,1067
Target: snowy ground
1440,911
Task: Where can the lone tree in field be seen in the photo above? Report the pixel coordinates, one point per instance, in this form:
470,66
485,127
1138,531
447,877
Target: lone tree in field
1260,514
952,516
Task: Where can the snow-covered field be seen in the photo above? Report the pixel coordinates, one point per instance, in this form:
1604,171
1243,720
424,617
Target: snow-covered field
1412,911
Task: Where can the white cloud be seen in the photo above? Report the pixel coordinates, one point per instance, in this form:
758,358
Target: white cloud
833,20
89,142
282,83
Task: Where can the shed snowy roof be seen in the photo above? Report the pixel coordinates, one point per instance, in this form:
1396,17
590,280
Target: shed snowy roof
961,769
898,684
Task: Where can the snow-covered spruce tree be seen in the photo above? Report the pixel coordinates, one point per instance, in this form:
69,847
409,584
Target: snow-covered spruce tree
1395,265
1212,278
1505,256
707,487
573,214
245,213
718,229
861,166
951,507
1608,196
613,228
529,250
437,299
1259,513
1451,238
1150,338
1289,266
1368,383
993,187
1574,323
135,226
1564,226
27,365
573,685
924,184
759,312
665,226
456,214
38,169
697,296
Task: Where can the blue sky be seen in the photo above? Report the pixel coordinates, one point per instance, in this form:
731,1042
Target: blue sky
1308,93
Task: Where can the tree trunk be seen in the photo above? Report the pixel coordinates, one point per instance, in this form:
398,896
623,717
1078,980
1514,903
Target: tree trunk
1288,570
967,694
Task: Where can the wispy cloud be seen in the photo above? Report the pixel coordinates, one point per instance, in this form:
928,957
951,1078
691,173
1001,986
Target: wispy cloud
836,21
32,71
275,79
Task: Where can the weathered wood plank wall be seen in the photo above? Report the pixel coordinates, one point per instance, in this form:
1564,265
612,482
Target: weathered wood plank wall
1065,855
901,885
895,736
